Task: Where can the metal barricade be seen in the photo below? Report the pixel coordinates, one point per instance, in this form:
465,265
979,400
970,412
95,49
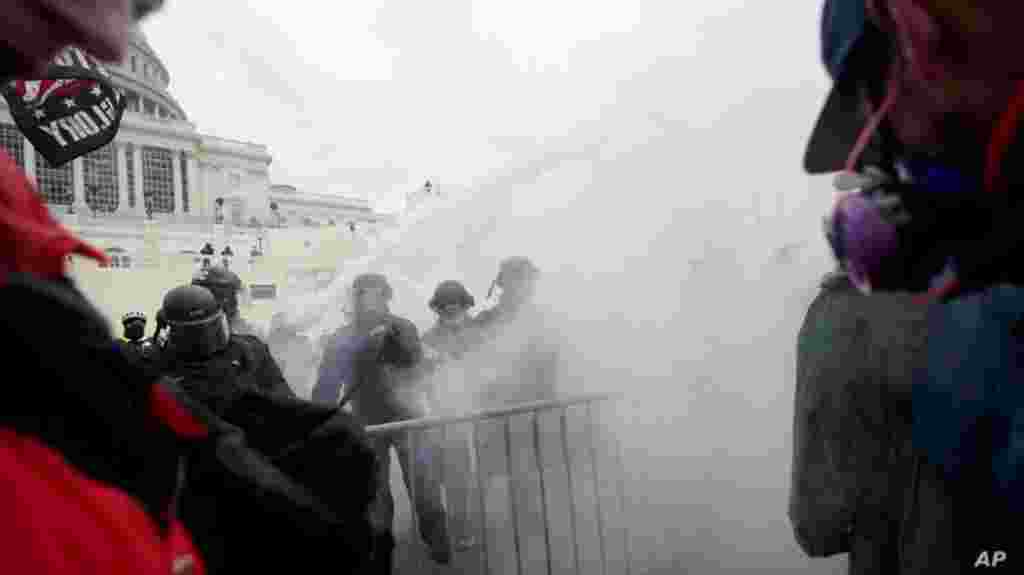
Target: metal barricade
540,473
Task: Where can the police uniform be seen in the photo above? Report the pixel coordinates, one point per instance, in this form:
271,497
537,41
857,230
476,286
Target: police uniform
275,445
137,348
225,285
214,363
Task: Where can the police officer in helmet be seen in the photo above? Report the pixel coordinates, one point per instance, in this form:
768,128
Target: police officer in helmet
279,448
225,286
135,342
198,326
213,361
517,279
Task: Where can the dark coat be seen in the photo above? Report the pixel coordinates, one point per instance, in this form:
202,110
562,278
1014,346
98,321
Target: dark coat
81,416
246,363
281,482
859,483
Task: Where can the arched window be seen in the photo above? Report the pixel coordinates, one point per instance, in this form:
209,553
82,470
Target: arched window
55,184
158,179
100,171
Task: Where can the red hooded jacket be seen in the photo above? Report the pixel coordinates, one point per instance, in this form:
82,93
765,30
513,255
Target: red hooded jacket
60,518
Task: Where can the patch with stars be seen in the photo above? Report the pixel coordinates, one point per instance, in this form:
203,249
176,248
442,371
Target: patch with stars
73,110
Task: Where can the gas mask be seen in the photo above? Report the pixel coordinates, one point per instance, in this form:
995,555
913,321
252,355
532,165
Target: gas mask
898,231
134,331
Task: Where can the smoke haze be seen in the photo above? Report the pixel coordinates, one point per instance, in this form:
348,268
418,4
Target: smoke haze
656,184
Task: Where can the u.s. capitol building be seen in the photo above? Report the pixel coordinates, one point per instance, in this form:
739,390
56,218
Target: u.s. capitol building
161,176
163,198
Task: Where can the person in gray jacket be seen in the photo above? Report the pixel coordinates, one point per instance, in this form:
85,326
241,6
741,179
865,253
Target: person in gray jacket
858,485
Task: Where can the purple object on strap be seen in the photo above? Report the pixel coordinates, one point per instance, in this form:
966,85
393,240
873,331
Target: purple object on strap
867,239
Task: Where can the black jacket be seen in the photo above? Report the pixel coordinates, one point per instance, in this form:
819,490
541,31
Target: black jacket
281,481
280,484
70,386
246,363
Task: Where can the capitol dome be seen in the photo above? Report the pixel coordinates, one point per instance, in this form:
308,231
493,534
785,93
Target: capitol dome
145,81
163,175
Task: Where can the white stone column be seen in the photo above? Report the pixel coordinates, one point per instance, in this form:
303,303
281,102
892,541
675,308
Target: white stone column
122,179
195,205
201,207
140,201
176,179
78,186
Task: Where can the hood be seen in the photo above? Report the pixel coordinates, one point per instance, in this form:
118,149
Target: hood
31,240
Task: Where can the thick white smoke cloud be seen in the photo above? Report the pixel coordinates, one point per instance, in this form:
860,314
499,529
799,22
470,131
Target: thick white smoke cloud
679,245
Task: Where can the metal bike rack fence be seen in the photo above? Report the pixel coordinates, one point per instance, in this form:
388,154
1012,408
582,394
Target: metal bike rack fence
547,457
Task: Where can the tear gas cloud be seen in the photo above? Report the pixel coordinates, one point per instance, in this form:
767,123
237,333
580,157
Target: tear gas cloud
679,246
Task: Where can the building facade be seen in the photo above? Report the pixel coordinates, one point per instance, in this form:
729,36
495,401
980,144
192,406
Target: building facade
163,185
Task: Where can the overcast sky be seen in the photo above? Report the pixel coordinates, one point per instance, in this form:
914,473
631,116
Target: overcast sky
379,93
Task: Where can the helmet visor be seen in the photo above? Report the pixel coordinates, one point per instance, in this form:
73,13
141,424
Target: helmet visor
199,338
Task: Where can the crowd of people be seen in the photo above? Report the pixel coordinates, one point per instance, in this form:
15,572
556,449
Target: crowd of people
189,453
374,369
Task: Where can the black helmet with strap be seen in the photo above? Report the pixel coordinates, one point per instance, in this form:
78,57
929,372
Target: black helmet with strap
217,276
223,283
198,325
451,292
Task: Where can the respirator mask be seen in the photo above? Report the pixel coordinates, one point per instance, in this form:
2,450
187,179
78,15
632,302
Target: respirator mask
134,331
898,230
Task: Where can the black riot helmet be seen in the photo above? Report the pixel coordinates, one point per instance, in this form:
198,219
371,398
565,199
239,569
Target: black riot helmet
451,292
198,325
224,284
